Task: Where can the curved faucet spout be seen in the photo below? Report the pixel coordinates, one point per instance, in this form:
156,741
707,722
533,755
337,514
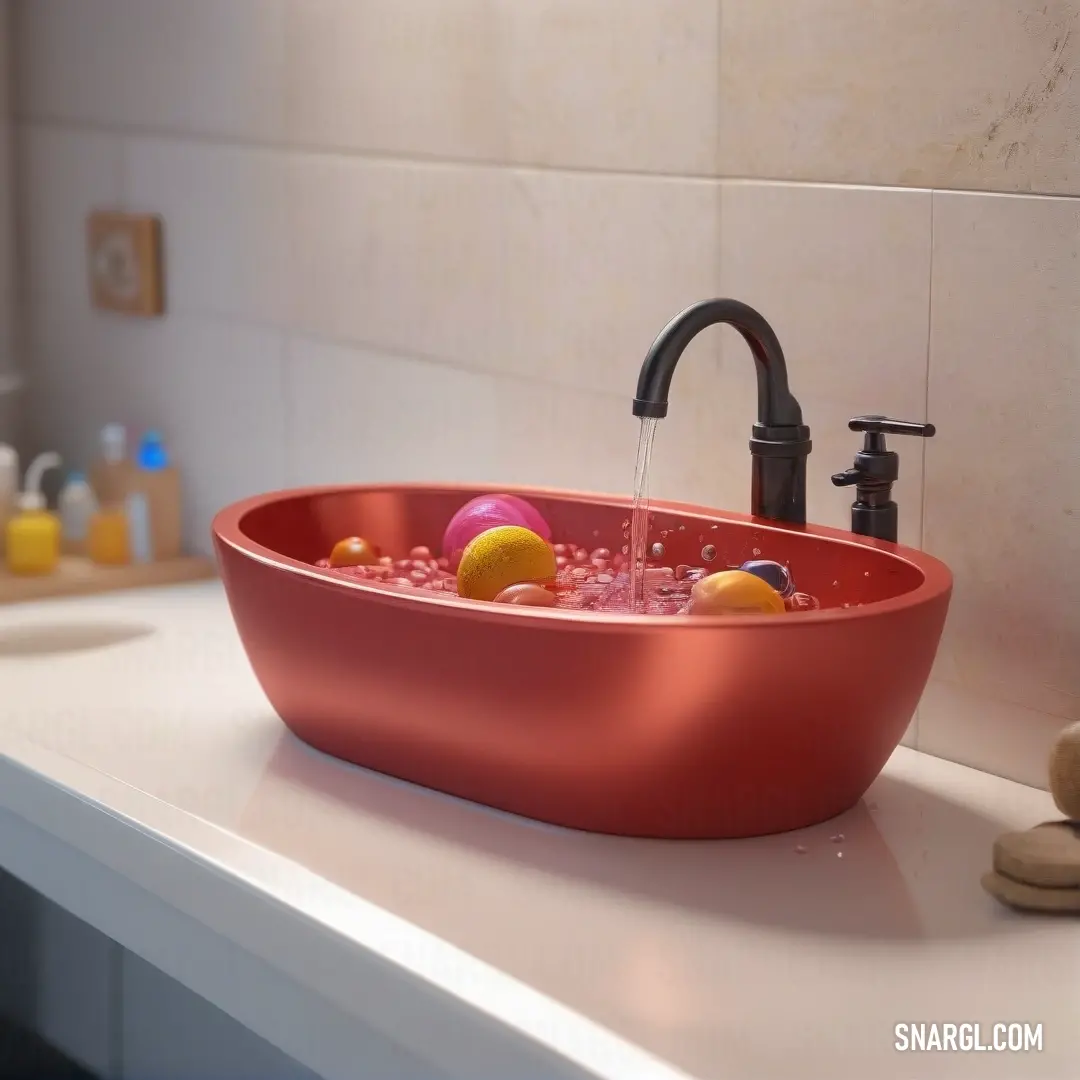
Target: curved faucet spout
780,442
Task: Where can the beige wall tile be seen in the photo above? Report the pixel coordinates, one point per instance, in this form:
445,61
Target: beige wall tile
1003,486
212,66
612,84
62,176
843,276
356,416
616,84
558,276
931,93
226,224
407,77
987,733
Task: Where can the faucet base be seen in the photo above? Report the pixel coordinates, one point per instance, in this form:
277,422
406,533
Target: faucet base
778,472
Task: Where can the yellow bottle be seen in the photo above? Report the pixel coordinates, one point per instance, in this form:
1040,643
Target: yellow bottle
33,534
107,541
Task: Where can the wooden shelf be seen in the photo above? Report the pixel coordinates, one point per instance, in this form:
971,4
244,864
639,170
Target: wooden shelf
81,577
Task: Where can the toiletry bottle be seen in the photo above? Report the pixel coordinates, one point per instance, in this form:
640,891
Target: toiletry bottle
9,487
140,527
153,503
111,474
76,505
107,537
33,534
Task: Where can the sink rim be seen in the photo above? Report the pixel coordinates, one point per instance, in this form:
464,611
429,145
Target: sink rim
227,529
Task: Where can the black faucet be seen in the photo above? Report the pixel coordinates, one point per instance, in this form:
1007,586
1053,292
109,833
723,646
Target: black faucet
780,442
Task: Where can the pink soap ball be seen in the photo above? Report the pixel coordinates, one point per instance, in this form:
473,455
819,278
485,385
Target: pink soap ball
532,518
488,512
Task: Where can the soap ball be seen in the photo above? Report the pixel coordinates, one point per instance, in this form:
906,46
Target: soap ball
1065,772
734,592
488,512
354,551
503,556
777,575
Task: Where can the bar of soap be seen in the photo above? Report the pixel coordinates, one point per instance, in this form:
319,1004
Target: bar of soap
1047,856
1065,772
1030,897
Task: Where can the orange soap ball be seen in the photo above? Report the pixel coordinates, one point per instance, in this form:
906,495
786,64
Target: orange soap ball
734,592
503,556
526,594
354,551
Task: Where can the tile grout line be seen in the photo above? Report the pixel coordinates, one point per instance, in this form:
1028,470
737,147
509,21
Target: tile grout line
289,335
926,381
917,719
134,133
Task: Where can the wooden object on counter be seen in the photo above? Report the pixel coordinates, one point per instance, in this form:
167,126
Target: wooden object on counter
81,577
161,487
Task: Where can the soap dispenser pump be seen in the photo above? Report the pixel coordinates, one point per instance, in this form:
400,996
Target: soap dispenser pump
33,534
875,471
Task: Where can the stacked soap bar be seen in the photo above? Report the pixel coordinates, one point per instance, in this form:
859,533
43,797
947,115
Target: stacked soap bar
1039,869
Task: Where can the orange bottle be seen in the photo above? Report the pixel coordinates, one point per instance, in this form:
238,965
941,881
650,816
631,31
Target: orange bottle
107,538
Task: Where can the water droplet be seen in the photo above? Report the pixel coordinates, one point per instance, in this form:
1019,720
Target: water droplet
756,551
596,532
708,553
701,538
716,527
839,854
682,528
835,583
626,549
626,534
838,838
663,533
657,551
801,849
626,524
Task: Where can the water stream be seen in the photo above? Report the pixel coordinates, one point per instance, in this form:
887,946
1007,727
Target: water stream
639,521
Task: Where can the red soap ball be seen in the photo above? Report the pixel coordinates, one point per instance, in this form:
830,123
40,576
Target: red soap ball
420,552
581,555
527,594
354,551
600,553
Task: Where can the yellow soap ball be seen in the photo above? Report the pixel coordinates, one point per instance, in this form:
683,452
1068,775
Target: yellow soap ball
503,556
735,592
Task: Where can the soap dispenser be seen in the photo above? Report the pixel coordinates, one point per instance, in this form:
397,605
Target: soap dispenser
875,471
33,534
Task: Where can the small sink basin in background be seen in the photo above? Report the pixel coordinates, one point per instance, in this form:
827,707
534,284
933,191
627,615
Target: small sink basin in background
637,725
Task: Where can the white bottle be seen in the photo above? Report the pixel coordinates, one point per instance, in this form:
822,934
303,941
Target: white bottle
140,538
76,505
9,487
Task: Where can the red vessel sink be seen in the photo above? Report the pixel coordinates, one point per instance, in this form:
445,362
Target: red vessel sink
660,726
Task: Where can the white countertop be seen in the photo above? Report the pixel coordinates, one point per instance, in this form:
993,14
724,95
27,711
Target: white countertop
134,737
